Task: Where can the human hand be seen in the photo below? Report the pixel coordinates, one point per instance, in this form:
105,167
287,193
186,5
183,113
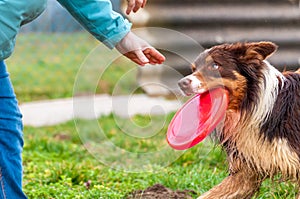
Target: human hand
139,51
135,5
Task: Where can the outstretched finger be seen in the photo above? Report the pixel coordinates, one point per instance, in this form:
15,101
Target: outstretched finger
154,55
138,5
152,60
134,58
144,3
130,6
141,56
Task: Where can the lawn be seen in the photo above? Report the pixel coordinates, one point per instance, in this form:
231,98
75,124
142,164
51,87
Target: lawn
45,66
57,163
58,166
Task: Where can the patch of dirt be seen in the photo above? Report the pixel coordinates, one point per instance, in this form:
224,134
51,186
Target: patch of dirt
62,137
159,191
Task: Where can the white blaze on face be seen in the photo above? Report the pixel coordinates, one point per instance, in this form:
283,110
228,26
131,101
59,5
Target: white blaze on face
196,84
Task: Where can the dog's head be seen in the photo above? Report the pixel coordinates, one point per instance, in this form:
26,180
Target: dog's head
236,67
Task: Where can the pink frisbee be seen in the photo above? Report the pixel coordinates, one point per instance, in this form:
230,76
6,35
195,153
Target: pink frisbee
197,118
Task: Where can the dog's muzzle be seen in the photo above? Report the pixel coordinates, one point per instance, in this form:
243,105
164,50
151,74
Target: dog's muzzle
185,85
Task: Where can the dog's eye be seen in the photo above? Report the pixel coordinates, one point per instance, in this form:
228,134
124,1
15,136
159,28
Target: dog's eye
214,66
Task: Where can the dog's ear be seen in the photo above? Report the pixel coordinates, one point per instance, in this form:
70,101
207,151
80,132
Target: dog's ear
262,50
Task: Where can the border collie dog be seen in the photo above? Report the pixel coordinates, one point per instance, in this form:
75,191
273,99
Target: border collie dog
261,130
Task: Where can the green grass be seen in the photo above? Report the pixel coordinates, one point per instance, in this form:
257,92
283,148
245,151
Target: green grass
56,163
45,66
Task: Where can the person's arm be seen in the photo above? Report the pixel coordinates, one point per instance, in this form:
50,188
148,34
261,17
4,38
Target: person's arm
135,5
97,17
112,29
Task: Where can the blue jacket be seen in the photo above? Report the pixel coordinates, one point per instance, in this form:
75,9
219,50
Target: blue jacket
96,16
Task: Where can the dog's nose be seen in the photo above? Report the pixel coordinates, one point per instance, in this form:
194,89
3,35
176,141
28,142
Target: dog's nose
184,83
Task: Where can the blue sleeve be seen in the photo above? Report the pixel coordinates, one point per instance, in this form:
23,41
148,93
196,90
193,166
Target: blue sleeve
97,17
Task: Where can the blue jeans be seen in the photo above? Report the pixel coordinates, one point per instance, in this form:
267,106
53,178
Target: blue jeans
11,140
